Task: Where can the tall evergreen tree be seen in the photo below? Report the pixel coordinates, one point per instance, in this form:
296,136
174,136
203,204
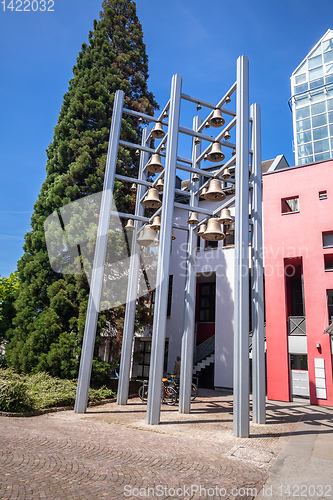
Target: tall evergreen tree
51,308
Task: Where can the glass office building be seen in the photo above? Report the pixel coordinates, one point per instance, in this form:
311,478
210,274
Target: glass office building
312,104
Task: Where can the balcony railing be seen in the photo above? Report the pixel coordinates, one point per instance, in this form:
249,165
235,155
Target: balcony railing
296,325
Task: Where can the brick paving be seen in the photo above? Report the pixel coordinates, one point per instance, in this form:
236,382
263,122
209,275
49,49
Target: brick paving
110,451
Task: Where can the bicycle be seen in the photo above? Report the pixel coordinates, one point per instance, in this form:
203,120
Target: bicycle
175,381
168,395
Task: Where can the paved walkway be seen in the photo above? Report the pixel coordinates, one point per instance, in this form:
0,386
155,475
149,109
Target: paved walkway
110,452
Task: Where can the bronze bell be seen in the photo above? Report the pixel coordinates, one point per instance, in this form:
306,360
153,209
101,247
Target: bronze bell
231,228
159,184
226,174
152,199
233,152
155,164
137,152
227,135
162,147
195,177
193,219
225,217
215,153
199,106
214,231
156,224
173,237
158,131
214,192
130,225
203,193
202,230
197,140
227,99
147,237
133,187
216,120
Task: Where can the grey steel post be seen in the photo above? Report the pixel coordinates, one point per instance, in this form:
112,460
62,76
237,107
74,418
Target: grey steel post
190,284
161,297
88,345
258,339
126,349
241,307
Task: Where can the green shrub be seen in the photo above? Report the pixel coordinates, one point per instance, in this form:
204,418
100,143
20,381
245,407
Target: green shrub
19,393
14,396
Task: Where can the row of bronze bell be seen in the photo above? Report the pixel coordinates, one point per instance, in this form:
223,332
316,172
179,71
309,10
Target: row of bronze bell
148,235
214,191
212,231
215,155
216,120
225,218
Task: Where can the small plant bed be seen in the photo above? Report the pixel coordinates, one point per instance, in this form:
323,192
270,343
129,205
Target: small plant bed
34,393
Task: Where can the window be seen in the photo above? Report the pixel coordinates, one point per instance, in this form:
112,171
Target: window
290,205
304,137
298,361
314,62
323,156
303,113
305,124
320,133
328,240
300,78
319,120
321,146
229,236
305,149
210,244
142,356
323,195
330,305
170,295
328,259
206,303
316,83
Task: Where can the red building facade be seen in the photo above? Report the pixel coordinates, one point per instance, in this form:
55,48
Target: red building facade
298,239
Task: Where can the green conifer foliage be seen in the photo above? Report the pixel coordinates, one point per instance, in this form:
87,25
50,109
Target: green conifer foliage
50,307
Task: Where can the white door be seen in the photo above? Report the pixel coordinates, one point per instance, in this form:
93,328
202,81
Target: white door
300,383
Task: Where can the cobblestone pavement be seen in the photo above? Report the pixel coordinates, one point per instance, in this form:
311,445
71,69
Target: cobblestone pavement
110,451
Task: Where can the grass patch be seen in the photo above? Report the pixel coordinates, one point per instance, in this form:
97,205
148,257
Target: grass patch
21,393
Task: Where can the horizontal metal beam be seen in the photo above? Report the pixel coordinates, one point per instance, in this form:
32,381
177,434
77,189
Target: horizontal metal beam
137,146
209,105
130,216
143,116
193,133
194,170
190,208
133,180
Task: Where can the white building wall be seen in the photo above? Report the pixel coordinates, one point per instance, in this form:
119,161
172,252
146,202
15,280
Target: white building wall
209,261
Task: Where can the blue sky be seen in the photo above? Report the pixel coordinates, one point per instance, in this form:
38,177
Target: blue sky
200,40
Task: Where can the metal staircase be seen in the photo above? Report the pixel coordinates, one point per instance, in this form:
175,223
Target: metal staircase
204,355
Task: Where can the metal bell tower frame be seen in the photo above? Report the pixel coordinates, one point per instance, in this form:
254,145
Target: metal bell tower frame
248,214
